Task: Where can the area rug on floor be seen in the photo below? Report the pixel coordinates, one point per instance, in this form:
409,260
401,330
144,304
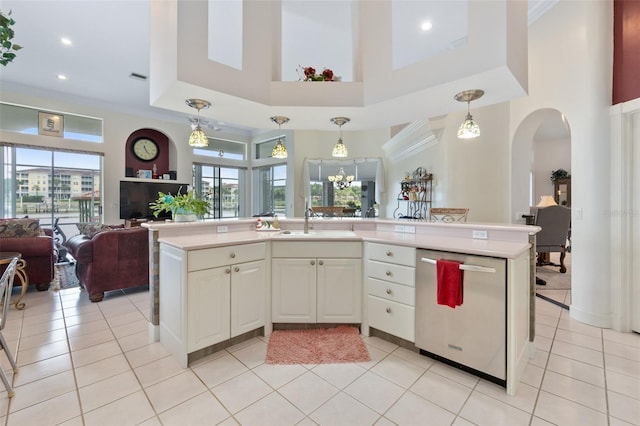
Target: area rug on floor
67,275
316,346
551,274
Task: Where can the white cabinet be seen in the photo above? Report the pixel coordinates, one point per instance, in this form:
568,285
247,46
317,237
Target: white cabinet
208,313
248,290
311,285
209,295
390,290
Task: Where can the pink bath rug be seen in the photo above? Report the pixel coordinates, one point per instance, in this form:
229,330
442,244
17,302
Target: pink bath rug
317,346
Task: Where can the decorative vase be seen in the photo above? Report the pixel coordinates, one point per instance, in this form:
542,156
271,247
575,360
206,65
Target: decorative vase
181,217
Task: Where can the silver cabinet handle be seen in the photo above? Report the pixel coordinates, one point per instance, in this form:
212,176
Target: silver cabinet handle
388,273
388,310
321,262
237,269
388,291
463,267
389,253
232,255
227,271
313,262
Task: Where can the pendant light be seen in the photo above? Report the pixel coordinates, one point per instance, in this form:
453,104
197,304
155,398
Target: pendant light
198,139
340,150
279,151
469,129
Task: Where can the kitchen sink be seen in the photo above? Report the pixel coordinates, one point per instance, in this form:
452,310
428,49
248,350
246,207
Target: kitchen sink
321,233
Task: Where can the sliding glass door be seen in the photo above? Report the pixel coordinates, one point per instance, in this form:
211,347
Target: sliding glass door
54,186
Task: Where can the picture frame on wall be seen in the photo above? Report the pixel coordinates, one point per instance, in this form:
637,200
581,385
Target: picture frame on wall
50,124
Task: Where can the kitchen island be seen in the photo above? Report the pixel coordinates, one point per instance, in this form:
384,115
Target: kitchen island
219,281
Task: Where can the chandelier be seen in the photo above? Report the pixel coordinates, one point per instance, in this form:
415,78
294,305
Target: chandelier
469,129
341,180
198,139
340,150
279,150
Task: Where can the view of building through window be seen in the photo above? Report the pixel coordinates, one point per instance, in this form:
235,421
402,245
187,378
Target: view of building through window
269,185
221,186
51,186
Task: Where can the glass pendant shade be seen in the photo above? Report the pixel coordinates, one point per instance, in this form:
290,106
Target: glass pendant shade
469,129
279,151
340,150
198,139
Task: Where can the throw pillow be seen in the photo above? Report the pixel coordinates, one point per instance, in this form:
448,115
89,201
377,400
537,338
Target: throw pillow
91,229
20,228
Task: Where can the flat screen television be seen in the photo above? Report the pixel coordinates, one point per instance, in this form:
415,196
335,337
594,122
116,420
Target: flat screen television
136,196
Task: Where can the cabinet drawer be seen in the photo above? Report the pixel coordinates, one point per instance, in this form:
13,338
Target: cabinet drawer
390,291
220,256
317,249
391,272
393,254
394,318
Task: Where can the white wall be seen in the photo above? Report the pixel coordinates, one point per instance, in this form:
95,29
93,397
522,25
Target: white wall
117,128
570,62
549,155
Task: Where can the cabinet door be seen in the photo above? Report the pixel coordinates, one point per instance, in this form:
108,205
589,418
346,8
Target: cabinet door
293,286
248,283
339,290
208,310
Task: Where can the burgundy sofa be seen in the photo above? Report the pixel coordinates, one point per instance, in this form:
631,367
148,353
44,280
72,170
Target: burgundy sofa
40,254
111,260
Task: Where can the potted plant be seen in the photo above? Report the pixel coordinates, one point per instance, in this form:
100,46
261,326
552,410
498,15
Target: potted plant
559,174
183,207
8,49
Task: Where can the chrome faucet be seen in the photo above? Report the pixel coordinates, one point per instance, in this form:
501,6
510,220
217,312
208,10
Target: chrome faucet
306,219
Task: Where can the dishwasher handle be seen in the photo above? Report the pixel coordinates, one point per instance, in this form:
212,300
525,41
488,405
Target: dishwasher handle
463,267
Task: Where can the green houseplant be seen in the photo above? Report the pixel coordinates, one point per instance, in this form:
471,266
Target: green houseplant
559,174
183,207
7,47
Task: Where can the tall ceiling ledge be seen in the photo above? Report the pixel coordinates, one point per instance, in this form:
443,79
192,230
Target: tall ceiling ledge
493,59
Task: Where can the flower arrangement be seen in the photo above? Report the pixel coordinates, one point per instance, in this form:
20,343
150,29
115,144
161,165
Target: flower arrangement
188,203
309,74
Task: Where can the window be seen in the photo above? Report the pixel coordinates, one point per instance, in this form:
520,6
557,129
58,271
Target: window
222,186
269,186
44,185
363,193
25,120
223,148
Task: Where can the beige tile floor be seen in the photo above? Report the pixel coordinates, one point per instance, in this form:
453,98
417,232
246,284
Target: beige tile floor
91,363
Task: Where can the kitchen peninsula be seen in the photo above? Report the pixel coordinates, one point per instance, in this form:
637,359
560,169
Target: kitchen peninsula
215,283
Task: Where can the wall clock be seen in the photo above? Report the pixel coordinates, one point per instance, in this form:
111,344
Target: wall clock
145,149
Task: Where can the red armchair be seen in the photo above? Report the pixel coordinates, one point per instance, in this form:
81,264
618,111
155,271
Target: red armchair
111,260
39,252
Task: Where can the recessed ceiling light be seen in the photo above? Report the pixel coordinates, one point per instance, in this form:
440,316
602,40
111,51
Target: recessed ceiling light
62,77
65,41
426,26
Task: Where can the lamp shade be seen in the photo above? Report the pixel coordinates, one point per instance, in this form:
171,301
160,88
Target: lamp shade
198,139
340,150
469,129
546,201
279,150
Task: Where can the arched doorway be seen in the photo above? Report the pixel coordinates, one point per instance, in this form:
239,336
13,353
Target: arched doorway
542,146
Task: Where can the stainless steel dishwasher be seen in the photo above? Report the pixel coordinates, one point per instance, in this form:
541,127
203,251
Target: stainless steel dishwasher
473,335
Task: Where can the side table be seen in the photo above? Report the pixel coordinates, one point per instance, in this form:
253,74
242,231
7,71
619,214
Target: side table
21,273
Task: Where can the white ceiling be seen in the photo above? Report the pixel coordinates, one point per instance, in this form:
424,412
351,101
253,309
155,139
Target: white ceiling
110,41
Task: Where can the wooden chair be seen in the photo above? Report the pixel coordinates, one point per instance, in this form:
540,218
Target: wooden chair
6,286
448,215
